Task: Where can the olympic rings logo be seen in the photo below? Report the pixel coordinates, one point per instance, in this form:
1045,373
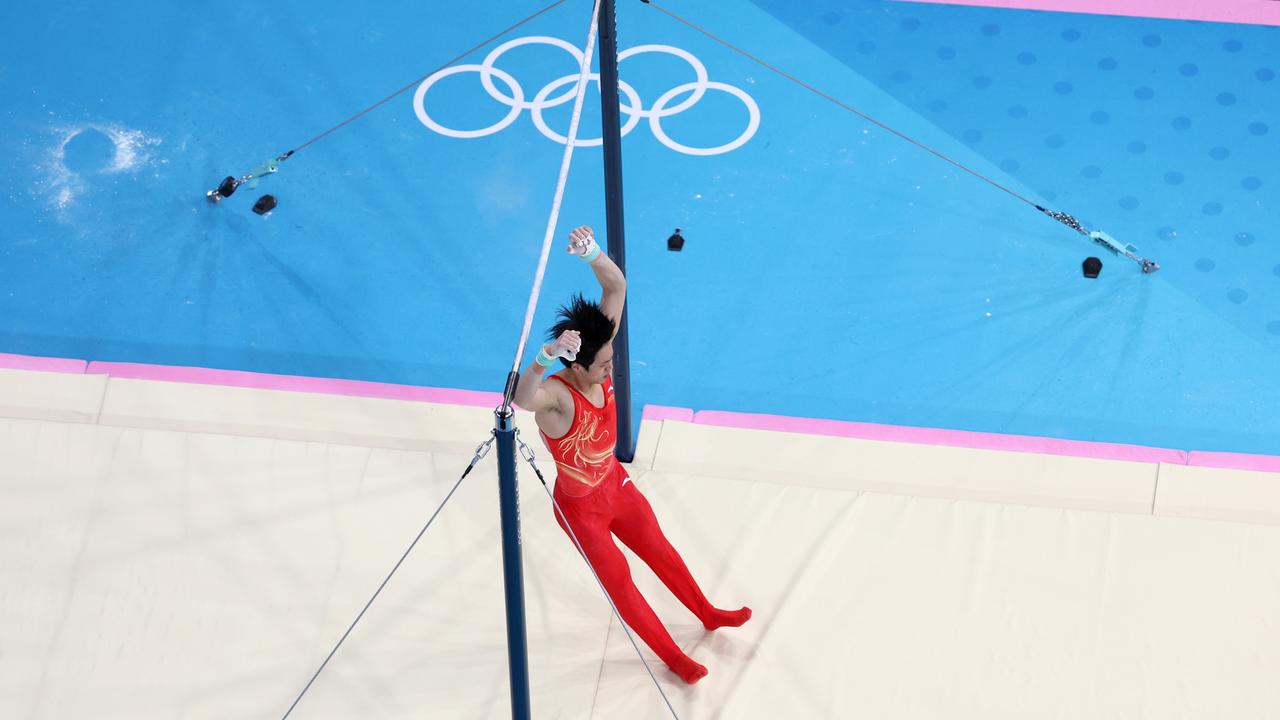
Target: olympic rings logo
632,107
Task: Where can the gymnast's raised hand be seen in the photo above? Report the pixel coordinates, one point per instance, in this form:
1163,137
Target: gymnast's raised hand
566,346
582,243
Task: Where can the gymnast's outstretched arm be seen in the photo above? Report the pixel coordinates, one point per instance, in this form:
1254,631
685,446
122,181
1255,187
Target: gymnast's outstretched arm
530,394
609,275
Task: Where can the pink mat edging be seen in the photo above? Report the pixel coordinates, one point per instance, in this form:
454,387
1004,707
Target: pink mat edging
936,436
813,426
43,364
295,383
1235,461
1253,12
662,412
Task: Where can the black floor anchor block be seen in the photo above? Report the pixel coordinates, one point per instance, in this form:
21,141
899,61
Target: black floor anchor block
265,204
1092,266
675,243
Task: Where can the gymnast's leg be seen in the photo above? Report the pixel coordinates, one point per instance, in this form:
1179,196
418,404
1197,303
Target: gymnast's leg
611,565
635,525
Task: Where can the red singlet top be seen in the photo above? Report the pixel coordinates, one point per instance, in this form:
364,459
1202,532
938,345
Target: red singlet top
585,453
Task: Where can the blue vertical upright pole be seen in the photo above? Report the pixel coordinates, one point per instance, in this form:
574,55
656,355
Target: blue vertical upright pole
512,562
612,134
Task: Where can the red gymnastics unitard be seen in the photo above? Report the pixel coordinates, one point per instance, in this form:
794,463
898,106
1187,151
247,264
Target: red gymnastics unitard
599,500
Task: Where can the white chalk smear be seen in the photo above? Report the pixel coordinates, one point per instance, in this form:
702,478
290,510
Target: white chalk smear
132,152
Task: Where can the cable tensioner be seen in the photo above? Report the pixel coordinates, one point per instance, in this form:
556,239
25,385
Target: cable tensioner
230,183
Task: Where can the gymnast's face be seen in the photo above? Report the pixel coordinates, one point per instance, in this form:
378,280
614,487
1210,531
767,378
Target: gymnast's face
599,370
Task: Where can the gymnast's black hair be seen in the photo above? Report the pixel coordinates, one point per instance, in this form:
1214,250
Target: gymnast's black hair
592,324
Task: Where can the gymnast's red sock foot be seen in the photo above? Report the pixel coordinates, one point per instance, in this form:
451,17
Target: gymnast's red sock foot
726,618
689,670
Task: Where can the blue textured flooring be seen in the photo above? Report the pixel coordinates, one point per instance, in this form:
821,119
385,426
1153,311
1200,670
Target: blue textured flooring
831,270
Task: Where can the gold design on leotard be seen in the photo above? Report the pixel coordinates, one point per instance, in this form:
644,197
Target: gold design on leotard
587,451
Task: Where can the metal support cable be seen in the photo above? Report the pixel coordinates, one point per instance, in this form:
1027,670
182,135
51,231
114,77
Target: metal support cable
411,85
228,186
1099,237
480,453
